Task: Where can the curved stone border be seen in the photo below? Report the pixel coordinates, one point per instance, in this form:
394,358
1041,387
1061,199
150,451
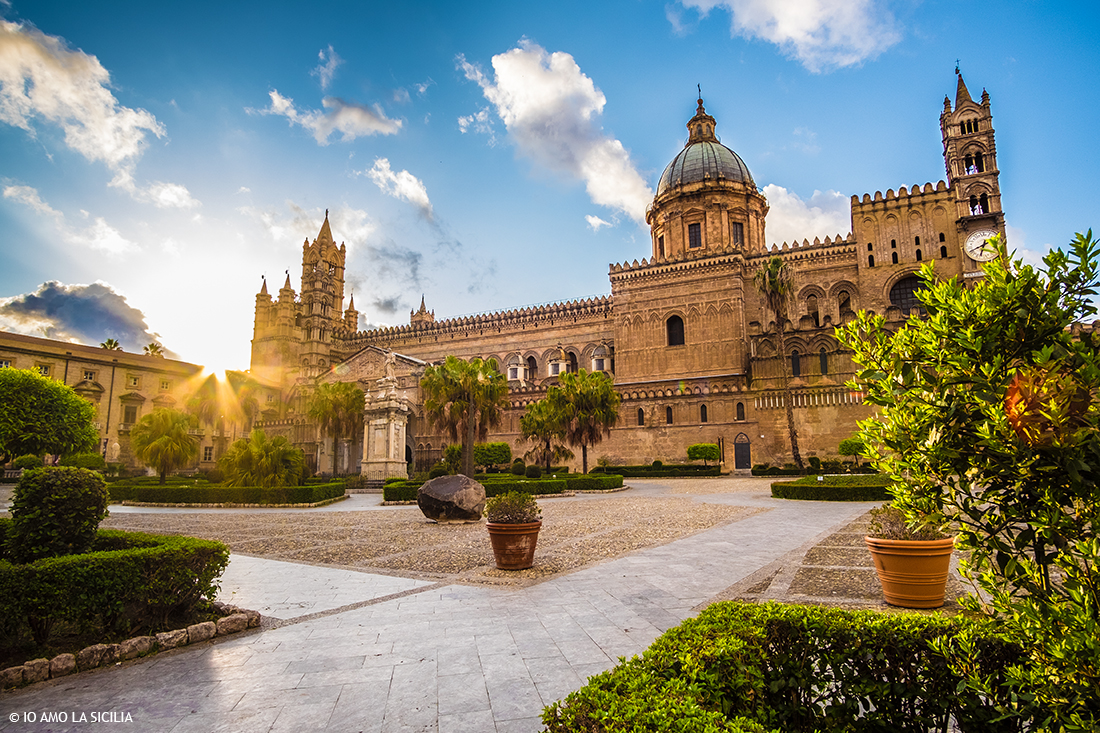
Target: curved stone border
103,655
567,494
326,502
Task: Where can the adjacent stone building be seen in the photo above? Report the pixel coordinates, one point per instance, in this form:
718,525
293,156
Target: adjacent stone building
685,333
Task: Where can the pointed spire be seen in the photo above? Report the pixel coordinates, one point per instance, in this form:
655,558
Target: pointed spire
325,235
286,285
263,290
961,93
422,306
351,304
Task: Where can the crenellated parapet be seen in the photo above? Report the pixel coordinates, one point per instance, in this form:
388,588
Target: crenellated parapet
809,254
891,199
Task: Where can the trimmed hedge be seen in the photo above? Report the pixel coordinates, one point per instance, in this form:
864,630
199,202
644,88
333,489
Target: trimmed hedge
406,490
669,470
130,580
863,487
794,668
213,494
582,482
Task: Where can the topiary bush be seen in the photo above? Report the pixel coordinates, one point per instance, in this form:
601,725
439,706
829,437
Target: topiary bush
28,461
56,511
815,463
439,469
658,464
518,468
532,471
90,461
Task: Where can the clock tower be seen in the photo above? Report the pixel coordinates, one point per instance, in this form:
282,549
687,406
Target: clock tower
970,154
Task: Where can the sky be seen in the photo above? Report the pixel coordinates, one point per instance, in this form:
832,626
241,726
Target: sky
158,160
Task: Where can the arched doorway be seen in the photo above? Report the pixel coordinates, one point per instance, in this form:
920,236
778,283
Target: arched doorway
742,451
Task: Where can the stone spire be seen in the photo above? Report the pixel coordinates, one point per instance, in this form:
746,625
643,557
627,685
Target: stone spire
325,235
961,93
263,288
422,316
701,126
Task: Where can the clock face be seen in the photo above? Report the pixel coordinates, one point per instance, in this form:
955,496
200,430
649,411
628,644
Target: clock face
977,247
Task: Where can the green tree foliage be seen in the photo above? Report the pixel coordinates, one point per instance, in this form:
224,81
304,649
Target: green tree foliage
162,440
56,511
111,345
543,426
492,454
91,461
464,399
853,446
452,458
989,419
703,452
28,461
258,461
337,407
773,280
587,406
153,349
222,402
39,415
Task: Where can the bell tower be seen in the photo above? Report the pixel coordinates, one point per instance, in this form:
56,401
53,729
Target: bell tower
970,155
322,299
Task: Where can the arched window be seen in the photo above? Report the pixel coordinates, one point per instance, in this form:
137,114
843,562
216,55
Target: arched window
661,246
903,294
823,356
979,163
811,309
894,257
943,253
675,327
572,362
870,247
740,410
668,415
968,164
702,413
870,260
918,256
983,202
942,238
916,241
796,364
893,244
641,417
532,367
844,302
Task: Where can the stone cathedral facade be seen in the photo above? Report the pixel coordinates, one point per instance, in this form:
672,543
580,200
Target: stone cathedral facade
684,332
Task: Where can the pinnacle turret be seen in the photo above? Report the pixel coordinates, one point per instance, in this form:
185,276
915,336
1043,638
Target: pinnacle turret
961,94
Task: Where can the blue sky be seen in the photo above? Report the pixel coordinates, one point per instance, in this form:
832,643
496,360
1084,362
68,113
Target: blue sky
157,160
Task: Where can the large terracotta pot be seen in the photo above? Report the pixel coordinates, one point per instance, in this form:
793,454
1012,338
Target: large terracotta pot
514,544
913,573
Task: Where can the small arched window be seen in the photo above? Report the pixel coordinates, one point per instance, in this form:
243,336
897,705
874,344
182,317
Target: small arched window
942,238
668,415
641,417
916,241
918,256
823,356
894,257
983,202
870,247
870,260
943,253
532,367
675,328
811,310
572,362
702,413
796,364
844,302
979,163
740,410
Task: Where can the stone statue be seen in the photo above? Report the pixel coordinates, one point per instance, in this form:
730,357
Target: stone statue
391,364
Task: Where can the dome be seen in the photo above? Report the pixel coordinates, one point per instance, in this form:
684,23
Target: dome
703,161
704,158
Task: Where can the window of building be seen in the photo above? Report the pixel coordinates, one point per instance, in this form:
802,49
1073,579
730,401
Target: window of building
740,410
870,260
668,415
811,310
598,364
738,233
979,206
844,302
702,413
870,247
943,253
916,241
532,368
133,381
675,327
513,372
894,257
270,398
208,452
5,364
918,256
555,368
893,244
89,375
43,369
129,414
983,203
942,238
661,246
796,364
165,385
903,294
572,362
695,235
641,417
823,356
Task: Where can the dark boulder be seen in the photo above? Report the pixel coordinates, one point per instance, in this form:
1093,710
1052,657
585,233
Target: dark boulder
451,499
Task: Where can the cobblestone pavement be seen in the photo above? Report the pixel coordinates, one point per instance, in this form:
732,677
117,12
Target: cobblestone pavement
348,647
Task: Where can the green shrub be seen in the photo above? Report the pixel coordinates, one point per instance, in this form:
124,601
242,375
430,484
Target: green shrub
815,463
582,482
518,468
796,668
407,490
439,469
401,491
667,470
856,487
703,452
492,454
512,507
532,471
56,511
657,464
90,461
191,494
27,461
452,458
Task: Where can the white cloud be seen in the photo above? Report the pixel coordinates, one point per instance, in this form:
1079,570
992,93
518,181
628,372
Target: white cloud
326,70
821,34
168,196
478,122
401,185
352,226
99,236
790,219
551,110
596,222
353,120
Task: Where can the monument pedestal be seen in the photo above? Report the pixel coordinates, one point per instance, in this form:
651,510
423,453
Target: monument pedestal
385,419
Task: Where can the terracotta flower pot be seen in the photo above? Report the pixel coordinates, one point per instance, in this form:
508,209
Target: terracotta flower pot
913,573
514,544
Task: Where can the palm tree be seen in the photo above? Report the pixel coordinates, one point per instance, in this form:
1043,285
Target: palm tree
258,461
111,345
587,406
162,440
153,349
337,408
543,426
773,280
465,399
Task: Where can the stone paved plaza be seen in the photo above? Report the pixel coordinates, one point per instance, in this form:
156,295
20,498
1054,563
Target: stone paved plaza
346,650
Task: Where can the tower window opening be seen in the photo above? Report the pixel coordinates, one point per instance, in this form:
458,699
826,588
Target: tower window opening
983,203
740,410
870,260
811,310
641,417
870,247
916,241
918,256
894,257
668,415
903,294
844,302
738,233
942,238
979,163
675,328
695,235
702,413
823,358
978,206
893,244
532,367
661,246
796,364
943,253
968,165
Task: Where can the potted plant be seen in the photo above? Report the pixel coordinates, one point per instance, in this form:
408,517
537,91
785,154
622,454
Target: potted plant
912,564
513,520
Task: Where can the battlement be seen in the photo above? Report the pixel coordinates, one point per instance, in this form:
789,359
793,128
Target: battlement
902,193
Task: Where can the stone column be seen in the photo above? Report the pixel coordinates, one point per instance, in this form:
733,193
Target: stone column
385,418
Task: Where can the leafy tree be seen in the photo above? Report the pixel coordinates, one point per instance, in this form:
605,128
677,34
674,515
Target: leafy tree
153,349
259,461
111,345
492,454
337,407
703,452
464,399
853,446
541,424
222,402
39,415
162,440
989,421
773,280
452,458
56,511
587,406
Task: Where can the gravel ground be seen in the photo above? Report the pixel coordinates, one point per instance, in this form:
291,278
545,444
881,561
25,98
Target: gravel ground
575,532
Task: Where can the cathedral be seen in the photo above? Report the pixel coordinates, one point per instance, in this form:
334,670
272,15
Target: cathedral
684,333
